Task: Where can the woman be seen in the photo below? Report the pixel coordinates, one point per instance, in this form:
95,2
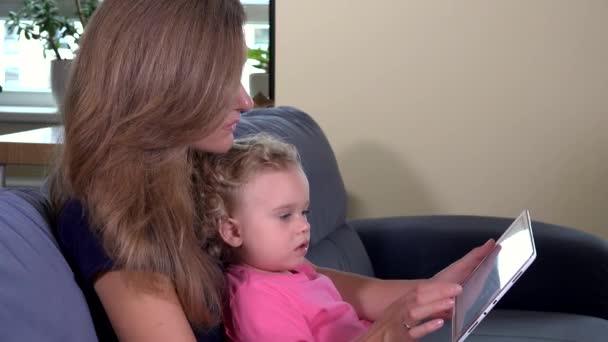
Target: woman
155,83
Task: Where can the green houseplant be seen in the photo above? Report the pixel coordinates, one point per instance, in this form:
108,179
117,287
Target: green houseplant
261,56
258,82
41,20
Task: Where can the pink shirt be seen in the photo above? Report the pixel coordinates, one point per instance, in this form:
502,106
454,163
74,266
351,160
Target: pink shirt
302,306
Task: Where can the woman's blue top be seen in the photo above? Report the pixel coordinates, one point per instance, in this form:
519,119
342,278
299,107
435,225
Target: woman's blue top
83,251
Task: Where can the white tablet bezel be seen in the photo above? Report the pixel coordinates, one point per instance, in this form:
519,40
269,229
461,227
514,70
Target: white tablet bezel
459,336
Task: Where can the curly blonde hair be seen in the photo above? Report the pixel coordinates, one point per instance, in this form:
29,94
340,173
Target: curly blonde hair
225,174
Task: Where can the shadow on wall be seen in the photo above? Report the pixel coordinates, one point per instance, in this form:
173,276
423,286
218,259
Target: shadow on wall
376,178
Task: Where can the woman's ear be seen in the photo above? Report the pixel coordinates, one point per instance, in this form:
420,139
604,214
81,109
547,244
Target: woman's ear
230,233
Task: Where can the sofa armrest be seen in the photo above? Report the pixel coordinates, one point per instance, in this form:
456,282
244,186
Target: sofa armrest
570,273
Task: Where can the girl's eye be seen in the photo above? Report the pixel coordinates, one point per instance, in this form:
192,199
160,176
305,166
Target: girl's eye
306,212
285,216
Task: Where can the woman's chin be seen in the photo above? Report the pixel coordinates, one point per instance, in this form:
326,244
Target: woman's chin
218,146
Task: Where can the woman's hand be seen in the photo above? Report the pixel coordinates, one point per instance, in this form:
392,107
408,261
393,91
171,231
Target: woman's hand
412,316
458,271
461,269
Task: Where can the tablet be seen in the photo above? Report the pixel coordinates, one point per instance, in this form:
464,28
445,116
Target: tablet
512,255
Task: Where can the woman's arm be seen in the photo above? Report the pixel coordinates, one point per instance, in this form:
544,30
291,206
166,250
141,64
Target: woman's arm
406,310
371,296
142,316
414,314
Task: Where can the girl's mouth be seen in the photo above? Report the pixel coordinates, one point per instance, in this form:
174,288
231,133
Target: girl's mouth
303,247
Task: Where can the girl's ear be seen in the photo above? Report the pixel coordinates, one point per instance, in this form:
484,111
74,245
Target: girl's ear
230,233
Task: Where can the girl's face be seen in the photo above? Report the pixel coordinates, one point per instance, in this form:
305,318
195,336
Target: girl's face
270,219
220,140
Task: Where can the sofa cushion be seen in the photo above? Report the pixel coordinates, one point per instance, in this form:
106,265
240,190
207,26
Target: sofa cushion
531,326
37,287
333,242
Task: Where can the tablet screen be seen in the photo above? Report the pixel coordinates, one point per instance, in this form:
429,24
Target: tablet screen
513,253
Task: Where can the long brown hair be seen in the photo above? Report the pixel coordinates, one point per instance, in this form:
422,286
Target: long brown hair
224,176
151,77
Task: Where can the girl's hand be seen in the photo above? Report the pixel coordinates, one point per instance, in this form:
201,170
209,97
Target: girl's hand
412,316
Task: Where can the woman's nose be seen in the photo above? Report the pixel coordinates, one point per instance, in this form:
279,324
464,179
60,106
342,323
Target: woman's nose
244,102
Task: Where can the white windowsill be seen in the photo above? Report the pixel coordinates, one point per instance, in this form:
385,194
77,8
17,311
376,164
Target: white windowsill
29,114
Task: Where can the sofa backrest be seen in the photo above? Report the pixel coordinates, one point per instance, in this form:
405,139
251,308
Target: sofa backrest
333,242
39,298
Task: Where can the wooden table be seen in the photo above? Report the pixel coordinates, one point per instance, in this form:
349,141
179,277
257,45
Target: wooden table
34,147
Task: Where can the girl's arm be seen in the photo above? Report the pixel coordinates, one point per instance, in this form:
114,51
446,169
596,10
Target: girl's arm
141,316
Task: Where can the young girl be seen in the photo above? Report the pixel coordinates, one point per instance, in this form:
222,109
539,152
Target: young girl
256,202
257,199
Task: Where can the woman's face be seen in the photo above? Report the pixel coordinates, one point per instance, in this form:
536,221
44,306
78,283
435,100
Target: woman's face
220,140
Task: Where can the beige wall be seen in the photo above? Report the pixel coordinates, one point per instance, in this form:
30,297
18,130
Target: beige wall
457,107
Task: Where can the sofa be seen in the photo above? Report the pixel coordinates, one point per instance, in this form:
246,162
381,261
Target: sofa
562,297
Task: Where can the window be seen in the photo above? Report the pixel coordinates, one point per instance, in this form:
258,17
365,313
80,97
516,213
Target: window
25,72
23,66
256,36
